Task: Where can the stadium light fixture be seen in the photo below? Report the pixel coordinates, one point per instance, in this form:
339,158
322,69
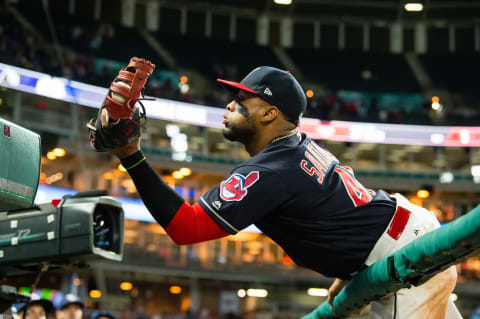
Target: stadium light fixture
184,87
175,290
413,6
476,173
177,175
446,177
59,152
317,292
185,171
95,294
437,106
283,2
423,193
259,293
126,286
51,156
475,170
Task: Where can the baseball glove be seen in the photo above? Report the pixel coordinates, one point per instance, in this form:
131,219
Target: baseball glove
119,120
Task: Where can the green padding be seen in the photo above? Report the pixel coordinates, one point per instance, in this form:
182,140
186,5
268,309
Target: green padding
323,311
413,264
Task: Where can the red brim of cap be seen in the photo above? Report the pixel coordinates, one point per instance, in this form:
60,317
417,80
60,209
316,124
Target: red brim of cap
237,86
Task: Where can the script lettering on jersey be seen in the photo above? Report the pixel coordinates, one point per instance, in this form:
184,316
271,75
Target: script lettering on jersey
319,159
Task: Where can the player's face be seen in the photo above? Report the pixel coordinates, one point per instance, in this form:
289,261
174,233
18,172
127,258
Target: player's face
35,312
240,120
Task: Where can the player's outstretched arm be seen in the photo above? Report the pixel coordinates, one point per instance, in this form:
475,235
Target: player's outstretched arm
117,129
186,224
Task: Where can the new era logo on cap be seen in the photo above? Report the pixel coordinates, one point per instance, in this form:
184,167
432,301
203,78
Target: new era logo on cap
267,91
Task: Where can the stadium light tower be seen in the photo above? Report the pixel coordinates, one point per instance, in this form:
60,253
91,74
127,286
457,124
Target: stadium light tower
413,6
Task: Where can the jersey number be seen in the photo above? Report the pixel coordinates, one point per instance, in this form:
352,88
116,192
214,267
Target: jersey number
356,191
321,160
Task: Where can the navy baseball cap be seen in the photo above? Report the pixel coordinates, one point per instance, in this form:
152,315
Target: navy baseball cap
102,313
277,87
68,300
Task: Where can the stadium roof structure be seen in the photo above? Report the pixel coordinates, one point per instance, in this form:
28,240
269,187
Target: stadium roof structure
389,10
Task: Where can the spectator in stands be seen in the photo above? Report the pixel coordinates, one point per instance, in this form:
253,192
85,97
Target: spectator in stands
102,314
71,307
37,308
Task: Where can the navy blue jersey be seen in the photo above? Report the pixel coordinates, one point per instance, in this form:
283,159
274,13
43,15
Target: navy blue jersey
297,193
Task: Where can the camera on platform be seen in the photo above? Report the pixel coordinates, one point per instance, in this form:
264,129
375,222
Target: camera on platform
73,230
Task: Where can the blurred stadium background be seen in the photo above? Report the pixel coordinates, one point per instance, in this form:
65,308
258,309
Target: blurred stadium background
391,92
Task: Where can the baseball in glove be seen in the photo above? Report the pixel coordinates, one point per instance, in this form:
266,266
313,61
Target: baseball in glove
120,120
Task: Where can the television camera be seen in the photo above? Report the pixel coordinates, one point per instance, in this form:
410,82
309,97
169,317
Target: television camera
70,231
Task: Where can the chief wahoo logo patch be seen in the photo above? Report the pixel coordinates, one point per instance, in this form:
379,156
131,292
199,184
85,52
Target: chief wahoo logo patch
235,187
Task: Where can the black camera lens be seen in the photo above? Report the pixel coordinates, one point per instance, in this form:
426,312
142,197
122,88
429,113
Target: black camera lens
103,230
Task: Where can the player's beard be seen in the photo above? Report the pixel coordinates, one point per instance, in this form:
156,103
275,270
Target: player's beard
245,133
235,133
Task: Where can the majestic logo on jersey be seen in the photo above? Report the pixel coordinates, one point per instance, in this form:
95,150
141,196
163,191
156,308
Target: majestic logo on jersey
217,204
235,187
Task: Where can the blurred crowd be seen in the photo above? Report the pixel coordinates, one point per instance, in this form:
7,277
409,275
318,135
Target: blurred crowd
72,307
80,59
69,307
335,107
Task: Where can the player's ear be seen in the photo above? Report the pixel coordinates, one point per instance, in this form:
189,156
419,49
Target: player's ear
270,112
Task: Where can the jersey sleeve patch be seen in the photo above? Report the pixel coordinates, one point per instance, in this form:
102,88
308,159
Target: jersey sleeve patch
244,197
235,188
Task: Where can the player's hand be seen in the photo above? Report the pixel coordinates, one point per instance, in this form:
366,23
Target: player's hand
334,289
120,118
126,150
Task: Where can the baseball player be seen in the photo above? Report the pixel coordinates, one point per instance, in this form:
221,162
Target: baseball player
297,193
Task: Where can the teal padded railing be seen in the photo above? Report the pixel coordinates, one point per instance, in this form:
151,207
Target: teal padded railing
413,264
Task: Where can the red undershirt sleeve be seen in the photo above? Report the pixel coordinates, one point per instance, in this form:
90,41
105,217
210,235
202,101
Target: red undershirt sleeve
191,224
